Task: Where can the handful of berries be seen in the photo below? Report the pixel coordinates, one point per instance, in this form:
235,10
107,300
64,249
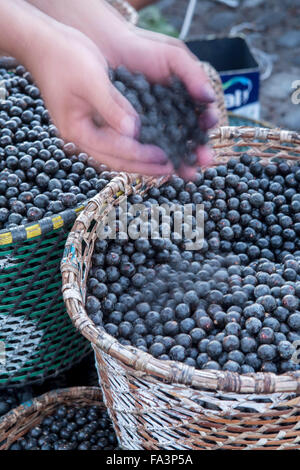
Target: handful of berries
169,116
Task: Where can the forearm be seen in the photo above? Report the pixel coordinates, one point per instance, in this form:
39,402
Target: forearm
97,20
69,9
15,27
23,29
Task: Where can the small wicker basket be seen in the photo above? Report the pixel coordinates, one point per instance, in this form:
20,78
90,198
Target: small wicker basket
158,404
15,424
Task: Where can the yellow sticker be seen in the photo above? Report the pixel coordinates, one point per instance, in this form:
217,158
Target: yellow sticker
57,222
33,231
119,193
6,238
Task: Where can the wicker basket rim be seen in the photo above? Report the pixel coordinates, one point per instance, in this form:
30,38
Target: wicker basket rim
262,123
171,371
43,226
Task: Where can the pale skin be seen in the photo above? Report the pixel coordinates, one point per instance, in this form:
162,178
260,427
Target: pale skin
67,47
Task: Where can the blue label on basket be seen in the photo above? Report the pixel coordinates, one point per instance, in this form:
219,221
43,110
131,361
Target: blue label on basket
242,93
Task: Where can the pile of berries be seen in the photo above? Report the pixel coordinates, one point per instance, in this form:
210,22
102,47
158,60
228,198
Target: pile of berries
169,116
12,397
8,400
70,428
233,304
39,175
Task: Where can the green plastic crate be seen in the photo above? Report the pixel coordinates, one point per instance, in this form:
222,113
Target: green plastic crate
37,337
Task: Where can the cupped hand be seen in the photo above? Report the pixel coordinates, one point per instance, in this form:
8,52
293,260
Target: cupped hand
86,97
72,75
159,58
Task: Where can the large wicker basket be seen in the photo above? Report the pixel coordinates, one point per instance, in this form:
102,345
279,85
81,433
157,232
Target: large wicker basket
158,404
15,424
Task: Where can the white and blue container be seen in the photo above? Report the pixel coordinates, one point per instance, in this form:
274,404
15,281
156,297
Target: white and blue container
238,70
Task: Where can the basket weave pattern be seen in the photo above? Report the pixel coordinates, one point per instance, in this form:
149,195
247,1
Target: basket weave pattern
165,404
216,84
15,424
38,335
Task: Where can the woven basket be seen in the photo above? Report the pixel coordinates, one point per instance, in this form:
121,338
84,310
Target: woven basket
216,83
39,338
158,404
15,424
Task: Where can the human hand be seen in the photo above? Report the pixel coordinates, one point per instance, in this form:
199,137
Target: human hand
155,55
159,58
72,75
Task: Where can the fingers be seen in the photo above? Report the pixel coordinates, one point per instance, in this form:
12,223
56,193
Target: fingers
188,173
113,107
149,169
120,152
209,118
191,73
108,141
169,40
162,38
205,156
189,70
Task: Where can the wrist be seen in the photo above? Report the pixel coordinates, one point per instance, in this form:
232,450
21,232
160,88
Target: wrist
23,29
102,23
37,46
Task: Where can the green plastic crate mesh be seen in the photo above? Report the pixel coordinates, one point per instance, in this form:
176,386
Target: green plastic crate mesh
37,338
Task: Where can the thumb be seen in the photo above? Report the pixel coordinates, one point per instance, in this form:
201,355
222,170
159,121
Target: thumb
114,108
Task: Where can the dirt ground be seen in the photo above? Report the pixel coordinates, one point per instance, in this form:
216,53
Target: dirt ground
272,27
